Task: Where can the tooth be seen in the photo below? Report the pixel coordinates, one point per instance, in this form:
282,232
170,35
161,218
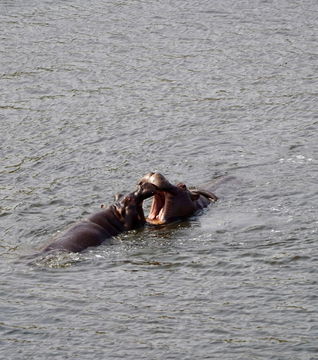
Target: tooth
160,215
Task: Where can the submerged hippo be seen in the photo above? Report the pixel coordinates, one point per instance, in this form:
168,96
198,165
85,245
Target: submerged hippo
174,202
125,214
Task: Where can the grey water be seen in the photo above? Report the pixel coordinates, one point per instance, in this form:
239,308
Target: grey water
93,95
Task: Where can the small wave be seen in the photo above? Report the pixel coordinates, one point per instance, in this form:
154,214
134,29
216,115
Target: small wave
56,260
297,159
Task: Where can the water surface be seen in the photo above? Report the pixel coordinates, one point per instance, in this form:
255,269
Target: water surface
96,94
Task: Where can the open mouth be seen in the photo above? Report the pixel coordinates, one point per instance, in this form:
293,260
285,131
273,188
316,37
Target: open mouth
160,190
156,213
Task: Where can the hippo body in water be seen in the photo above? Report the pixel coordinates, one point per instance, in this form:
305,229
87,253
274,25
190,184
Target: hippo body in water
124,215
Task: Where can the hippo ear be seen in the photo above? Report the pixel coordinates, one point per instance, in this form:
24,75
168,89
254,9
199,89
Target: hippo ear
182,186
205,193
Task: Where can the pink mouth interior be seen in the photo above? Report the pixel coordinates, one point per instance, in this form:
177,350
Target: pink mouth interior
156,214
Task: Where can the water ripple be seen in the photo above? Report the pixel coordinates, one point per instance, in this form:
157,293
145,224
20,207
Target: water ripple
93,96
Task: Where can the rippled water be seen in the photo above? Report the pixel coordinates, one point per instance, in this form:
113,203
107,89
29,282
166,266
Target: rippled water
94,95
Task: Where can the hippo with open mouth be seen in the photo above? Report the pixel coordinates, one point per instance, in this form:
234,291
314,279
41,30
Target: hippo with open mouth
174,202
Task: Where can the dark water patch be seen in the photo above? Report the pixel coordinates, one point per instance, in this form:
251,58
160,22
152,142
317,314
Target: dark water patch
284,259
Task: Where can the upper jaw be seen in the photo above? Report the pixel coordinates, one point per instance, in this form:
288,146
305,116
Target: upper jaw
157,180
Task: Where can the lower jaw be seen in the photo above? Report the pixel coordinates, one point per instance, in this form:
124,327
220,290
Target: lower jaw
155,221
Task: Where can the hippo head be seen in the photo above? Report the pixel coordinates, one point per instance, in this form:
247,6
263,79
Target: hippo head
172,202
129,207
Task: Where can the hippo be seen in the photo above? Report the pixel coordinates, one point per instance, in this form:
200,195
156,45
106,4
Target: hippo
174,202
124,215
